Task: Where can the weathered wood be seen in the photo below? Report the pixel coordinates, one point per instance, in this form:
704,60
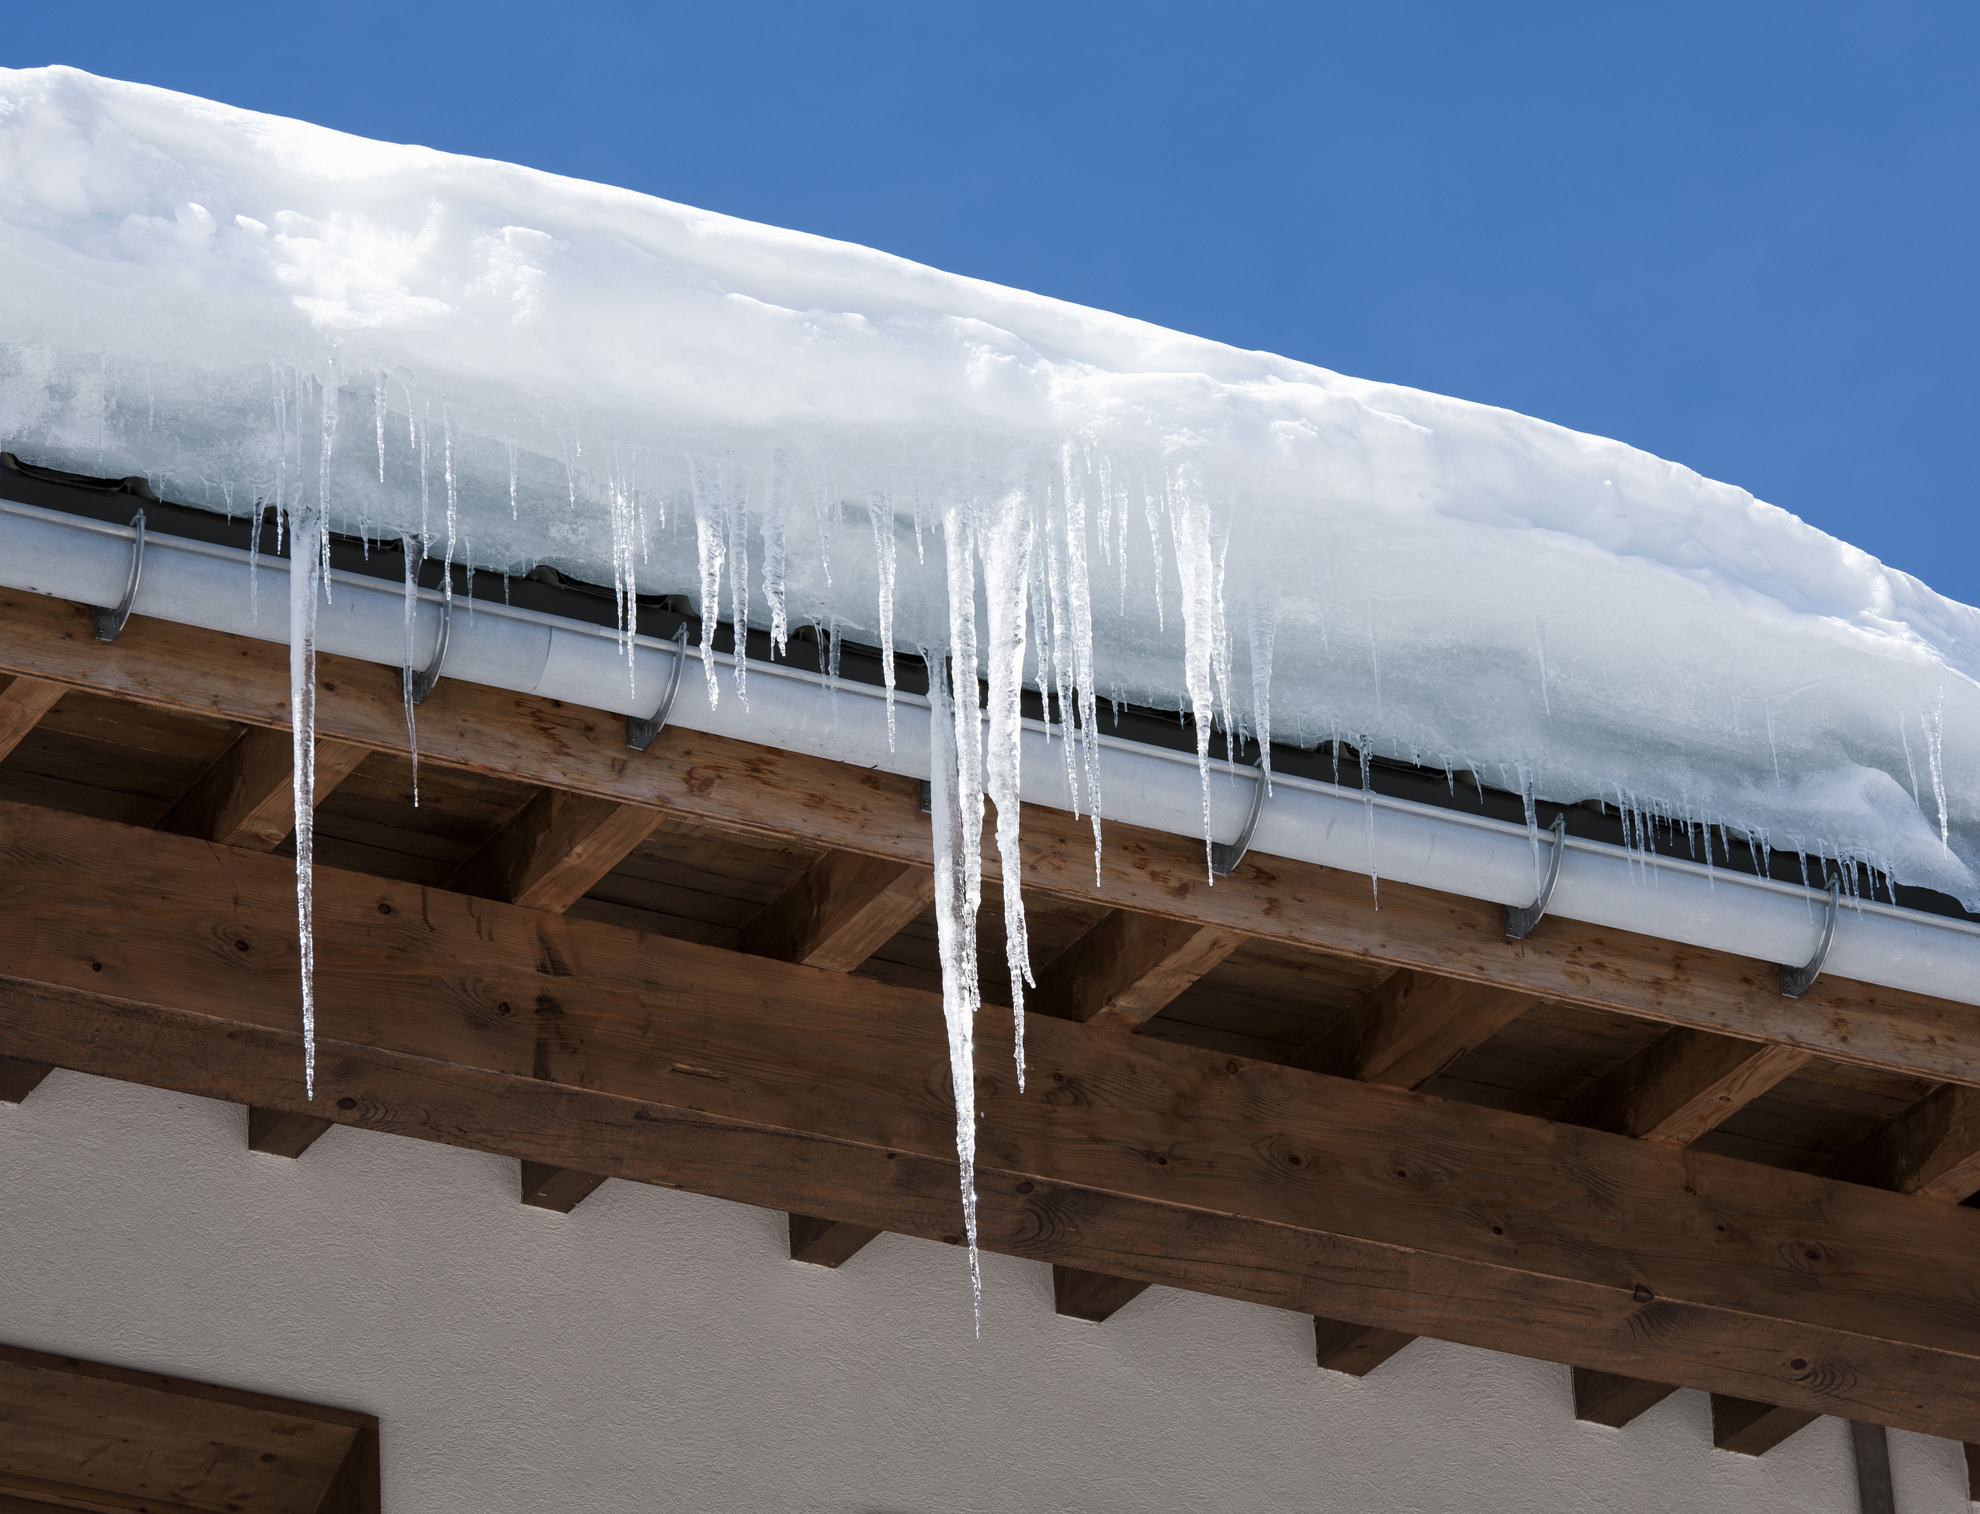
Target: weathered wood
598,1049
247,798
1932,1149
1972,1471
22,704
1603,1398
1409,1028
85,1435
552,854
767,792
1092,1296
1356,1350
1751,1428
1683,1084
19,1078
840,910
1128,968
558,1189
1872,1447
827,1243
282,1134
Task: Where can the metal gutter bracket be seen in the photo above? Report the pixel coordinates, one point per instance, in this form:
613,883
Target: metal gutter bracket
1796,981
1520,922
111,622
640,733
424,680
1225,858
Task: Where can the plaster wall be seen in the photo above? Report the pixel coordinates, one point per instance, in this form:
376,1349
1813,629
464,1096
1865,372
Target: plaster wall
658,1351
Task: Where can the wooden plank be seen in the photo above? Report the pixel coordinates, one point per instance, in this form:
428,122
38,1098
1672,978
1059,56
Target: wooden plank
1129,967
19,1078
247,797
1356,1350
827,1243
1932,1150
600,1050
552,854
1683,1084
786,797
558,1189
1092,1296
86,1435
282,1134
840,910
1603,1398
1409,1028
1972,1472
22,704
1872,1448
1752,1428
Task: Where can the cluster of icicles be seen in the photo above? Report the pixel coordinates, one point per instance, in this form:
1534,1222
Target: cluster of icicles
1027,550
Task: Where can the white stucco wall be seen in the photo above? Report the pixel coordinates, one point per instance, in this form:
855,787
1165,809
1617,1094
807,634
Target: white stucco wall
657,1351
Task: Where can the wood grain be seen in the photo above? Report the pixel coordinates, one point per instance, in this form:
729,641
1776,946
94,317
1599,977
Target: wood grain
1683,1084
786,797
554,852
594,1048
840,910
1409,1028
1932,1150
247,797
22,704
1130,967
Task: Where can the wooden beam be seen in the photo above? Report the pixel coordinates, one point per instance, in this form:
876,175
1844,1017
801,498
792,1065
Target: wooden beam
247,797
1872,1448
559,1189
761,790
19,1078
1092,1296
1751,1428
840,910
22,704
1128,968
1972,1472
555,851
1356,1350
608,1051
827,1243
1932,1149
283,1134
1603,1398
1683,1084
1409,1028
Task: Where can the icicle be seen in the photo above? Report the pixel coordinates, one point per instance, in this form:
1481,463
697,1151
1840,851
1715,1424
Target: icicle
704,482
413,561
1006,540
1262,628
776,522
1154,546
1934,757
509,440
306,578
880,512
378,415
1079,630
956,819
735,507
1532,820
453,506
1189,529
1368,808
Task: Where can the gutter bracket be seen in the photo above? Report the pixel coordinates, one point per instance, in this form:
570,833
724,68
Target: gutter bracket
424,680
1520,921
1796,981
640,732
109,623
1225,858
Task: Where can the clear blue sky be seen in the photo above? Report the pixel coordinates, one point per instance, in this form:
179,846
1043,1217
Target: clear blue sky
1743,236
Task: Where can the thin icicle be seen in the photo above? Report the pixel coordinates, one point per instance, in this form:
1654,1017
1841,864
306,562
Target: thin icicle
1935,728
414,555
1368,808
509,440
1006,539
735,508
776,524
1261,617
705,484
306,580
880,512
1190,531
1079,631
956,820
378,415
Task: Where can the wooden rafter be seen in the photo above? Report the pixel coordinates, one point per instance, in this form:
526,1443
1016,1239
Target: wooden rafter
722,782
247,797
22,704
1130,967
145,956
840,910
552,853
1932,1150
1683,1084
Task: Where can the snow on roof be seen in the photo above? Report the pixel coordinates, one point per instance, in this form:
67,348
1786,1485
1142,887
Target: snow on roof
525,368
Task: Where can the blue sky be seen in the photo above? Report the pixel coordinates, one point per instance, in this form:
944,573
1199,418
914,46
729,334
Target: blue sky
1743,236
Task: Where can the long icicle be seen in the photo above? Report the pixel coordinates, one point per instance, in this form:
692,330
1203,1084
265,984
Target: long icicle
306,581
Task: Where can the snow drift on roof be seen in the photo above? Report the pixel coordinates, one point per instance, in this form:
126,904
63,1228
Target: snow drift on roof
523,368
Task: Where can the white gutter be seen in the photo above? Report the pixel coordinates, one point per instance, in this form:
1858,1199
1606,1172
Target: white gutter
69,557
